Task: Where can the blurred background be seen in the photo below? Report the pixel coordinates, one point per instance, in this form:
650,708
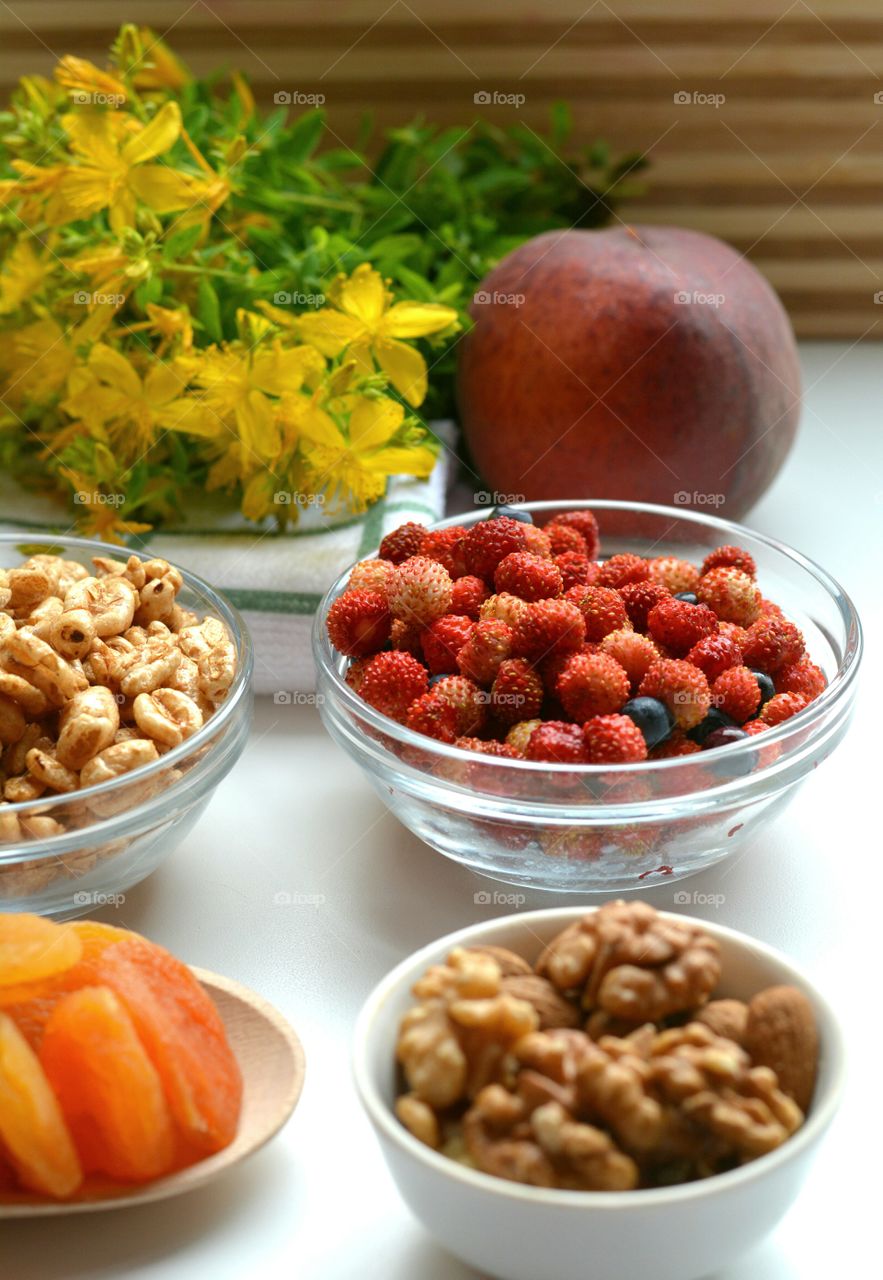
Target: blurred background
760,118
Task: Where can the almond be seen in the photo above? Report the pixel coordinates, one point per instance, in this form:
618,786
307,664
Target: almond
782,1034
509,962
727,1018
553,1009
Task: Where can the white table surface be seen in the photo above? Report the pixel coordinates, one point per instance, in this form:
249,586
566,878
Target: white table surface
296,815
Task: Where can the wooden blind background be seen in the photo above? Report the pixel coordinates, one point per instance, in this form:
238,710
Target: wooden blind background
788,167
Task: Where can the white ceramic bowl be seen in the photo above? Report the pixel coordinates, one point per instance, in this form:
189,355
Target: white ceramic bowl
516,1232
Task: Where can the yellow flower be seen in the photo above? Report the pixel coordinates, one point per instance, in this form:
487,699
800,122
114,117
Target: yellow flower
86,83
95,518
171,325
159,68
42,355
353,467
23,277
366,325
239,382
114,173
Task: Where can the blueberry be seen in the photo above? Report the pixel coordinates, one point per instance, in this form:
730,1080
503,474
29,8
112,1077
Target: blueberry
652,717
713,721
514,513
434,680
690,597
721,737
767,688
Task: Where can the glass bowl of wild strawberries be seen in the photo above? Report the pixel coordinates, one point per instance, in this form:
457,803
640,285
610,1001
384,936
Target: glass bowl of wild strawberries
585,695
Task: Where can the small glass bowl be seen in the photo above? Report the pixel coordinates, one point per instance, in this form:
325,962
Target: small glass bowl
117,833
595,828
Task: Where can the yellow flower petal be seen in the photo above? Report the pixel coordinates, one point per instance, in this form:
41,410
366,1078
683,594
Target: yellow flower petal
316,426
374,422
257,426
164,189
163,383
329,331
122,211
114,369
405,368
192,417
95,135
156,138
77,73
363,296
416,319
80,193
23,276
276,370
417,462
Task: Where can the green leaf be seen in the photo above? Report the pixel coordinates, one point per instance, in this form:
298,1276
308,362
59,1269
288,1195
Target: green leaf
208,309
179,243
303,136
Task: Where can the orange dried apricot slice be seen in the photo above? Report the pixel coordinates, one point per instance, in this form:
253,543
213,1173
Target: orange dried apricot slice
33,1133
110,1092
32,948
184,1036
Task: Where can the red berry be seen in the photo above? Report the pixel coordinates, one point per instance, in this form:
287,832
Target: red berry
682,687
420,590
403,542
490,644
490,541
622,569
753,727
639,598
519,735
432,715
445,546
613,740
355,671
563,537
468,594
371,575
587,525
602,609
730,557
575,569
517,692
771,643
443,640
529,577
634,653
504,606
358,623
536,541
801,677
490,748
676,745
407,636
736,693
467,699
732,595
592,684
557,742
679,625
549,627
782,706
733,632
715,654
391,681
677,575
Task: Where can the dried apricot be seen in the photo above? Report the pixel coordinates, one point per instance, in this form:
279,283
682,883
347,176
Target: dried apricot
35,1138
32,948
110,1093
184,1036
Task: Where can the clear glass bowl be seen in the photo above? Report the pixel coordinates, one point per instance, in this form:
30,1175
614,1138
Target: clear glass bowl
595,828
118,832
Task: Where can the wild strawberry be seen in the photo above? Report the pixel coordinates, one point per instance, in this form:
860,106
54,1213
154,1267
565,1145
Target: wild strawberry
733,632
403,542
587,525
467,699
556,742
714,654
468,594
679,625
731,594
505,606
432,715
602,609
752,727
548,627
639,598
782,707
371,575
420,590
772,643
517,692
446,546
490,748
443,640
537,542
519,735
490,644
677,745
391,681
407,637
573,844
731,558
613,740
490,541
622,569
592,685
529,577
564,537
677,575
575,569
358,623
801,677
736,693
634,653
682,687
354,673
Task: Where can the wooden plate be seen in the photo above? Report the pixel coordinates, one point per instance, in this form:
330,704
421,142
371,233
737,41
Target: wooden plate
271,1059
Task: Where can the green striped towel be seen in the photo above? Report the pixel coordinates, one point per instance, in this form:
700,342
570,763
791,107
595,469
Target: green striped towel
275,579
